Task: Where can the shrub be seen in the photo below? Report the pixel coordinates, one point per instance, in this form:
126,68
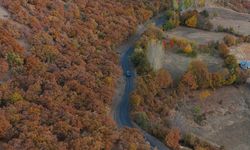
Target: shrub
204,95
140,61
172,139
14,59
187,15
231,62
220,28
173,20
230,40
175,4
168,25
141,119
4,125
217,79
242,75
223,50
188,81
164,79
230,30
205,13
4,67
204,23
192,21
201,73
197,110
136,100
188,49
231,79
16,97
202,3
169,14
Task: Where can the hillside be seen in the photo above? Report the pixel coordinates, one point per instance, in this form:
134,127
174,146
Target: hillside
58,71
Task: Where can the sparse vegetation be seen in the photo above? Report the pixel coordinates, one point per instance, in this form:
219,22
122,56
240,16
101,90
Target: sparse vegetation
230,40
223,50
173,20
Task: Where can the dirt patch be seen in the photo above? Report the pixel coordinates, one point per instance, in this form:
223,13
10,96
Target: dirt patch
227,117
177,64
242,51
240,22
196,35
4,13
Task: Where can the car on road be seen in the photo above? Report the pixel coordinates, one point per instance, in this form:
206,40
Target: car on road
128,74
245,65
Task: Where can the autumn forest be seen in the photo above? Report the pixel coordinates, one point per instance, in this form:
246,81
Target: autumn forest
58,68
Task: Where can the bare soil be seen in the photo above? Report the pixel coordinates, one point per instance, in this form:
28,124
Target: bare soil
4,13
177,64
240,22
196,35
227,117
242,51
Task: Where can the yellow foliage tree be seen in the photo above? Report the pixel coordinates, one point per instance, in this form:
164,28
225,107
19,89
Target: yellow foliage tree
16,97
201,3
132,146
204,95
135,99
192,21
188,49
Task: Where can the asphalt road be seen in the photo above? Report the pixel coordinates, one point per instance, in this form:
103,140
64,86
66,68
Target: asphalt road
121,113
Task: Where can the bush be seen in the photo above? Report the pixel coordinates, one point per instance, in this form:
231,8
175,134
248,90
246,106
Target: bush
231,62
218,79
168,25
204,95
4,125
230,30
164,79
223,50
141,119
205,13
172,139
187,15
173,20
242,76
204,23
14,59
4,67
136,100
192,21
140,61
201,73
188,81
169,14
16,97
230,40
188,49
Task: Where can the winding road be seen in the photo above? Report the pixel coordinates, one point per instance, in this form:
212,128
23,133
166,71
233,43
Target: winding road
121,109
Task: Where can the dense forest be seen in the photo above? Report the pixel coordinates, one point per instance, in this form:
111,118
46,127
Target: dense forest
58,68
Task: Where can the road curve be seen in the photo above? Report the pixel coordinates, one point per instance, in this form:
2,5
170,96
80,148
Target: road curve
121,109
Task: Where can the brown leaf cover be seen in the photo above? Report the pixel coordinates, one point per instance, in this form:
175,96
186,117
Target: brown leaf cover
61,59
